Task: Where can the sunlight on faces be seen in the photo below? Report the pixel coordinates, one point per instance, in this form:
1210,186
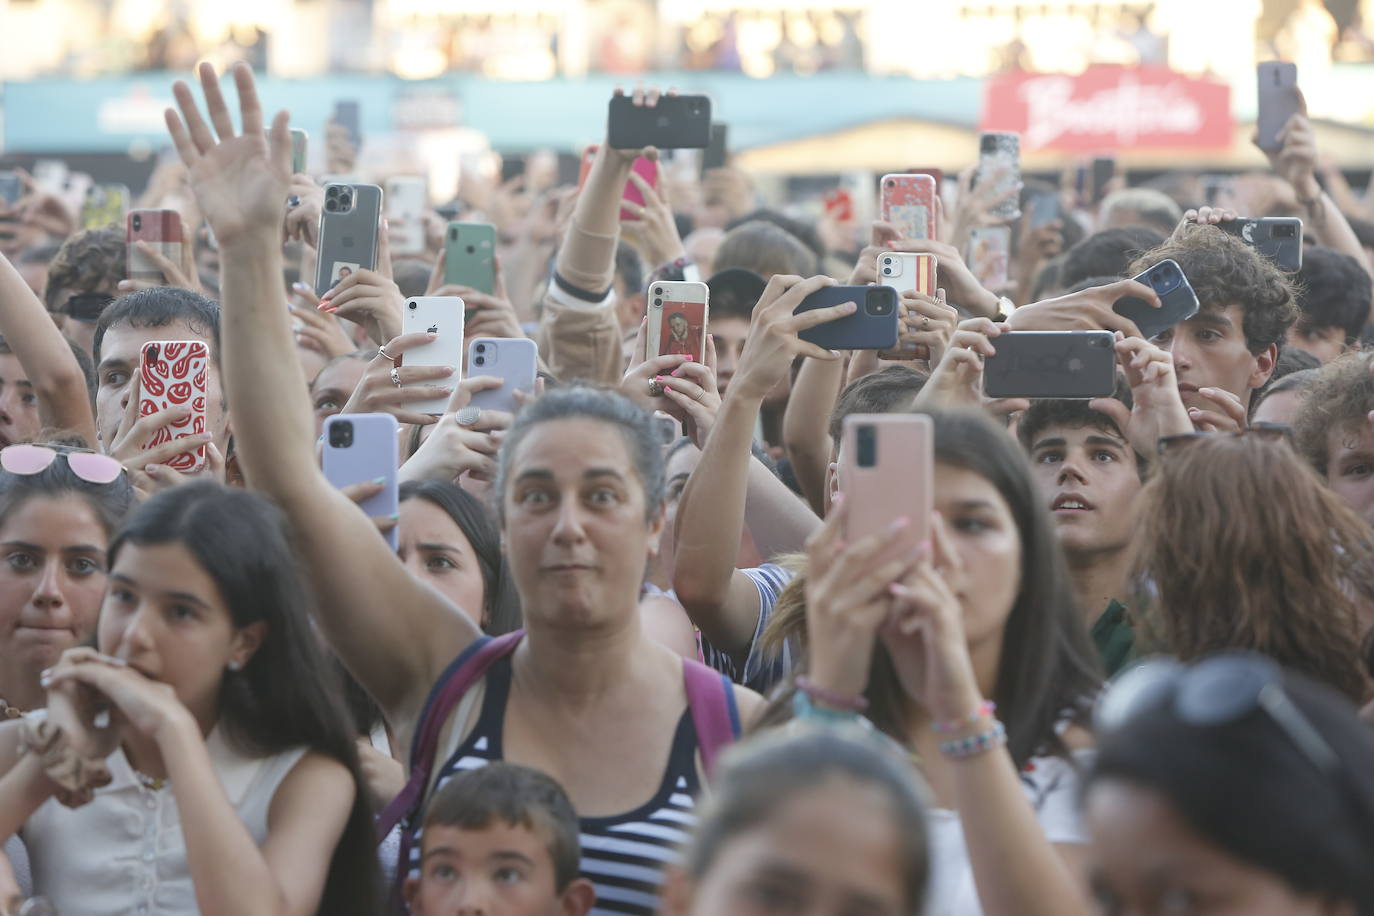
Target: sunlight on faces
1147,860
52,579
435,551
164,615
832,851
1089,479
1209,351
499,870
575,528
121,350
1350,467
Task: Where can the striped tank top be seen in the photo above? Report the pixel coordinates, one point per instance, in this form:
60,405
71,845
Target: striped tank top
624,855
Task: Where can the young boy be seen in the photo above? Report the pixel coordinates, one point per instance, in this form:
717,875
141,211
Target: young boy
500,841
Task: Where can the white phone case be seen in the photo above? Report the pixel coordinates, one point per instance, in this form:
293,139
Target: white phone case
513,360
441,315
405,213
665,293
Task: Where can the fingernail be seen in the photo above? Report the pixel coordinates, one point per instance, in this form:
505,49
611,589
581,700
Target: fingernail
115,661
152,468
45,673
900,523
690,357
299,285
849,306
379,480
431,336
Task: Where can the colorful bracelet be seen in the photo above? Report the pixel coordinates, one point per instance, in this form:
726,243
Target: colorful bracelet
857,704
986,710
804,710
974,745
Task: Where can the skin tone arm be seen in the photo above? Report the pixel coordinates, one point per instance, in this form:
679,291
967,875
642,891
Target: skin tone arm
394,633
722,601
64,401
804,433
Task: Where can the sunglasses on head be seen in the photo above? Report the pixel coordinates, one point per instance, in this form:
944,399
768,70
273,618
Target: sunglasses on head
85,306
1269,432
92,467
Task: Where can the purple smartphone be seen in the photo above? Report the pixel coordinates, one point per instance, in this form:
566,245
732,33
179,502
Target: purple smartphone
361,447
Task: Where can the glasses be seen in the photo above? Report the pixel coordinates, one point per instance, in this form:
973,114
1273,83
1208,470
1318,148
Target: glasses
92,467
1269,432
86,306
1220,690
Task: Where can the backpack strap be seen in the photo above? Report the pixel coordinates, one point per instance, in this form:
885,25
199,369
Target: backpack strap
711,697
467,669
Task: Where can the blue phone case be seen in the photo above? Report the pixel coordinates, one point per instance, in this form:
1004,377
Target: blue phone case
873,326
367,453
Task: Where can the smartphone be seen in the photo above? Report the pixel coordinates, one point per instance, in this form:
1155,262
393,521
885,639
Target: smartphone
676,122
1178,302
105,205
989,255
1051,364
873,326
514,360
886,473
441,315
669,429
1278,238
348,114
348,232
1278,101
300,144
937,174
11,188
51,175
999,154
903,271
406,201
646,169
839,205
1103,171
678,313
1044,208
717,153
908,202
361,448
159,228
172,373
470,256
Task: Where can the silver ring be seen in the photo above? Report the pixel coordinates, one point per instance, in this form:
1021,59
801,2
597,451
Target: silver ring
655,388
396,376
381,351
468,416
293,201
925,323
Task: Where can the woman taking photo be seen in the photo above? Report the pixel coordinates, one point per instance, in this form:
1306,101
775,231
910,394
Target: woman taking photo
199,761
968,652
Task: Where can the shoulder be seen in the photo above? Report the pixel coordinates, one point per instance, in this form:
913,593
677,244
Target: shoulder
1077,738
316,779
749,704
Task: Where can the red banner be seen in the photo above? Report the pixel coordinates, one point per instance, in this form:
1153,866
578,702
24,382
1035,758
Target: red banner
1110,108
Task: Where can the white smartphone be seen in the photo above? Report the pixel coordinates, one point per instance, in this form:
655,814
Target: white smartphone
679,313
405,213
441,315
513,360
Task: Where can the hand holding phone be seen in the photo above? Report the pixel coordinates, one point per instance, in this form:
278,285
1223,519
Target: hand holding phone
678,318
513,360
908,202
871,326
886,473
1178,301
362,448
173,374
442,316
160,229
1279,100
1051,364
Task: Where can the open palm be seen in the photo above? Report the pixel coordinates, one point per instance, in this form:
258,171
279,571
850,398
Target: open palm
241,181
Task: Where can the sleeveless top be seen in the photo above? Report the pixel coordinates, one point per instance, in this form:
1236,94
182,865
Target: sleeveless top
124,851
623,855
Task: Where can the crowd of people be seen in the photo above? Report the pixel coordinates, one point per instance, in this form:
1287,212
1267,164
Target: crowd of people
1119,669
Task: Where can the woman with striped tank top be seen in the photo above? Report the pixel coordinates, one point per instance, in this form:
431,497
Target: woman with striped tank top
584,695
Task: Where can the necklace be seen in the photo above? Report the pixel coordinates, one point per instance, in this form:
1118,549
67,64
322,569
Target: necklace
152,783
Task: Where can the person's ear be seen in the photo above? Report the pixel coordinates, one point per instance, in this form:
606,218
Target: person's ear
656,526
832,484
1265,361
410,890
245,643
577,898
676,896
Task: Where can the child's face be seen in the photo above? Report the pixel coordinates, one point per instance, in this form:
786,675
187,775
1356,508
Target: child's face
499,870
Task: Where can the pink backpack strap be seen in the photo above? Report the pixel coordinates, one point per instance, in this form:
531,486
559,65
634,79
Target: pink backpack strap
711,697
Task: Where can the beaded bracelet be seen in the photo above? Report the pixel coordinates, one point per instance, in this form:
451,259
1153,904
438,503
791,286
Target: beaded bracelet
986,710
974,745
852,704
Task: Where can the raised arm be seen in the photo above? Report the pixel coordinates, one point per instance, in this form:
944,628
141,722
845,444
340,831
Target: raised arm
805,435
64,400
394,634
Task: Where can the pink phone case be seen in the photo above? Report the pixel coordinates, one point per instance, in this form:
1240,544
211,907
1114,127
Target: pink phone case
649,172
886,473
909,203
172,373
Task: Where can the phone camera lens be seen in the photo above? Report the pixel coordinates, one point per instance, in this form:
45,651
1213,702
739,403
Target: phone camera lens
866,442
341,434
413,306
481,348
480,361
891,183
453,235
658,291
138,222
658,302
887,271
472,249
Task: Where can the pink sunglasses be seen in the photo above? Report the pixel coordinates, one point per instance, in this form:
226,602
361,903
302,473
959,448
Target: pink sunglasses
91,467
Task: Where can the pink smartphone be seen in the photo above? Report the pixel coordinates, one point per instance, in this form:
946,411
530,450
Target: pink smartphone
649,172
886,467
160,229
172,373
909,203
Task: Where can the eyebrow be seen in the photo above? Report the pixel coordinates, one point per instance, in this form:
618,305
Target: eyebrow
74,548
113,362
1214,318
1105,440
510,855
1048,443
175,596
446,548
541,474
441,851
972,504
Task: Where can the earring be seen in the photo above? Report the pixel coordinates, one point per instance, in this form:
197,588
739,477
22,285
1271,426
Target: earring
236,666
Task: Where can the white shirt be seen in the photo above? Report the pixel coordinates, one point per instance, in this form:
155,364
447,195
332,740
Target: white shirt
124,852
1051,785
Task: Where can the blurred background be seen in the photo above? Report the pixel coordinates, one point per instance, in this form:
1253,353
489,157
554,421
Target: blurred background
809,90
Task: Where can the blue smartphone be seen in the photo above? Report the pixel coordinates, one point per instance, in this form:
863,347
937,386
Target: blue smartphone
1178,302
872,326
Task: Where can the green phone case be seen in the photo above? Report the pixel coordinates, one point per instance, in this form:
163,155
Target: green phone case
470,256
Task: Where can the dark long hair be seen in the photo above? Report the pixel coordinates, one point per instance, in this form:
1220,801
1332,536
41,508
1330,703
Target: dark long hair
1048,669
287,695
1247,789
501,602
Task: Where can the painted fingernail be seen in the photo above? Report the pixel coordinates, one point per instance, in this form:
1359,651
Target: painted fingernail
690,357
324,305
395,516
379,480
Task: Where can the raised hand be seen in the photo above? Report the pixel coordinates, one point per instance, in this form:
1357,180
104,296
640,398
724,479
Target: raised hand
241,181
773,340
378,391
958,378
452,448
651,227
1086,310
1157,409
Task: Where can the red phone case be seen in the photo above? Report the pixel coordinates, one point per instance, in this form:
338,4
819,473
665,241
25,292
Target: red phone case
649,172
909,203
172,373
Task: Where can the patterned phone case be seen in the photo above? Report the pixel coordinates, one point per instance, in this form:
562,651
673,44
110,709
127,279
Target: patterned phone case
172,373
909,203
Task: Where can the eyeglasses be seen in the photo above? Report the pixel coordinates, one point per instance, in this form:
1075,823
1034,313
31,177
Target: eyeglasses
92,467
1220,690
85,306
1269,432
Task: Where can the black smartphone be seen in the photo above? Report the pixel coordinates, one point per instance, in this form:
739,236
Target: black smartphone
1278,238
1104,170
718,150
676,122
1051,364
1177,300
348,114
873,326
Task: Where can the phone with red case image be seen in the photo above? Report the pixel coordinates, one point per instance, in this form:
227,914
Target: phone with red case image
909,203
172,373
159,228
886,473
678,317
